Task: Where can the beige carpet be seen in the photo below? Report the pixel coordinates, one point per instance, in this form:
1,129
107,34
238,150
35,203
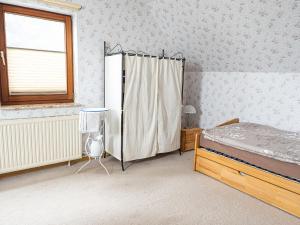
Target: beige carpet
159,191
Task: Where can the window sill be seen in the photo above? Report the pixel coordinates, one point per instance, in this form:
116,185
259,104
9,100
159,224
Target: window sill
40,106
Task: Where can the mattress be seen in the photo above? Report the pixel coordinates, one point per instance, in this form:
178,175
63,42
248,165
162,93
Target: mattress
260,139
286,169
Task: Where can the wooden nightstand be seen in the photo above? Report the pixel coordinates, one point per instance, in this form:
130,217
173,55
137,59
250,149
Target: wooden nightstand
187,141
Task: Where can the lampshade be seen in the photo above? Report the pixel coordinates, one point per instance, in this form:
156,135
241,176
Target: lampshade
189,109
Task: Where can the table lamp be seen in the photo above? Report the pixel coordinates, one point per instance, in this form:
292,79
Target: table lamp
188,109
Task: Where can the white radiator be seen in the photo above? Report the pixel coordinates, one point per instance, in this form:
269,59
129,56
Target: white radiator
28,143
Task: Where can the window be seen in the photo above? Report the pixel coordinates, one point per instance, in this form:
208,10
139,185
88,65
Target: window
36,59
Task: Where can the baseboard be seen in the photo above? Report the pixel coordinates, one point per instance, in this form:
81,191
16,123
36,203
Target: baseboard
15,173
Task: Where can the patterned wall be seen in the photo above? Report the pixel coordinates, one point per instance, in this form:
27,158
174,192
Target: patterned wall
266,98
243,58
234,37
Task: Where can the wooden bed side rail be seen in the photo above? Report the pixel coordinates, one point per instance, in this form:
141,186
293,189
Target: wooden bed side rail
270,188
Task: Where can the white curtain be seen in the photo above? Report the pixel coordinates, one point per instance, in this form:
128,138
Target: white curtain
140,108
169,104
152,106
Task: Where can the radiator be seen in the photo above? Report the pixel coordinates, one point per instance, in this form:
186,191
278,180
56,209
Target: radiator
29,143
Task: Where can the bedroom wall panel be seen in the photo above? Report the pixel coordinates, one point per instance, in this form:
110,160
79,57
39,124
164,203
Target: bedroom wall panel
232,35
266,98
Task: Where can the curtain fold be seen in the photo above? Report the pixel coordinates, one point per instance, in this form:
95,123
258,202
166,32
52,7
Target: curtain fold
140,108
169,105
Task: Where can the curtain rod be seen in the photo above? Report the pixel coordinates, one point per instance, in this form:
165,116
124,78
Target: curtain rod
63,4
109,52
141,55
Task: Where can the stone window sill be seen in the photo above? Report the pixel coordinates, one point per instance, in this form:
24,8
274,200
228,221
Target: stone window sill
40,106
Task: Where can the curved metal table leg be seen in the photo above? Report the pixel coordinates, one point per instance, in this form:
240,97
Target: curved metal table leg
84,165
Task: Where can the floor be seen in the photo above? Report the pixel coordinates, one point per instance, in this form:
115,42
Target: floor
161,191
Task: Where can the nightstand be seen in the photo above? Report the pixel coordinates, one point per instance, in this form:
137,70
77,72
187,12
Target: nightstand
187,141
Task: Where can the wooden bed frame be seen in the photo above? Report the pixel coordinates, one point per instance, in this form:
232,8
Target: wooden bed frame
270,188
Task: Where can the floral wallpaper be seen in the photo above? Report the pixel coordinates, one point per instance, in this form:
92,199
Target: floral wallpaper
243,56
265,98
233,35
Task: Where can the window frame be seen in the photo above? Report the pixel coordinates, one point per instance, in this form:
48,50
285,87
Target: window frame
6,98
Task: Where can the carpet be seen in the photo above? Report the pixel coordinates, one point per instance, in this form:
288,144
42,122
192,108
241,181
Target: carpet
163,190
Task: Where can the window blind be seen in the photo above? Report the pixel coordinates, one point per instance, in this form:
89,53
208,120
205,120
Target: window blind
36,72
37,61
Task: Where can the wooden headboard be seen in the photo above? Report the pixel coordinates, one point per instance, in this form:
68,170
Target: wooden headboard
236,120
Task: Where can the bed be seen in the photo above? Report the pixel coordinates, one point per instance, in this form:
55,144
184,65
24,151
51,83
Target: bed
259,160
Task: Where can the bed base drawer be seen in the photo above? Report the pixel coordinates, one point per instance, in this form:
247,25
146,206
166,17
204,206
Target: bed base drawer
247,182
